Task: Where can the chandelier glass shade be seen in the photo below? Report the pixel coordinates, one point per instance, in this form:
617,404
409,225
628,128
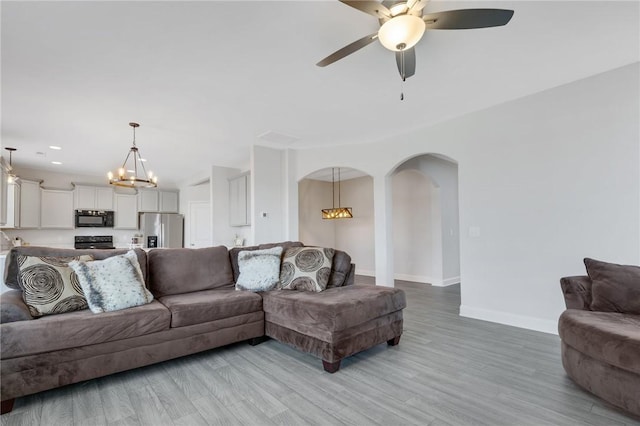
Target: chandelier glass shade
401,32
336,212
132,173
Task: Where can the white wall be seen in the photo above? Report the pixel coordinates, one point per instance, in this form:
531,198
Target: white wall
268,192
546,180
416,228
356,236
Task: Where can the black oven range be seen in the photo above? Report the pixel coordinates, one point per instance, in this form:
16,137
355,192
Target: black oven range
93,242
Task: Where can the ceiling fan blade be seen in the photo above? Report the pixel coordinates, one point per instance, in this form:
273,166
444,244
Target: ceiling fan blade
348,50
415,6
371,7
467,18
406,65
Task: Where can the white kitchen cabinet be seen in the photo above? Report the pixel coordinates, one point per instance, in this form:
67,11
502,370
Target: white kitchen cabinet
151,200
13,205
126,211
56,209
93,198
30,204
148,200
168,202
240,201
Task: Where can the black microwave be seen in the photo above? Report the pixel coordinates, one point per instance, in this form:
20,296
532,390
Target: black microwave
94,219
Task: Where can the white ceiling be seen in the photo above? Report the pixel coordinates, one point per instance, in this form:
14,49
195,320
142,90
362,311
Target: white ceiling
205,79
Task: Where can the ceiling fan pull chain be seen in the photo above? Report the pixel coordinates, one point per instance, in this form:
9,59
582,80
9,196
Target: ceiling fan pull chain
402,74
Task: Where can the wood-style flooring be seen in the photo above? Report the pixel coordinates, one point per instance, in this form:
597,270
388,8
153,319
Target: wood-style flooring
447,370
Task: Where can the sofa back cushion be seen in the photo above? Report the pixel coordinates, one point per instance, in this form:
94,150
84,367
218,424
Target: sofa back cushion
12,267
233,253
183,270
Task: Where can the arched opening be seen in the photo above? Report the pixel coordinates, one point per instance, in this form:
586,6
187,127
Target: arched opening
426,238
354,236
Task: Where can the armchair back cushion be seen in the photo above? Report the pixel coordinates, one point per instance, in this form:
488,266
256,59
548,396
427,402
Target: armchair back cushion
184,270
615,288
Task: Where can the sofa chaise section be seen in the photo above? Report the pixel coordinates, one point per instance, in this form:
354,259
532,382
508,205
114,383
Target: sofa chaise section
337,322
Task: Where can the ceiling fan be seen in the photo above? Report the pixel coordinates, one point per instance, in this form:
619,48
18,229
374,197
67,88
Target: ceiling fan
402,24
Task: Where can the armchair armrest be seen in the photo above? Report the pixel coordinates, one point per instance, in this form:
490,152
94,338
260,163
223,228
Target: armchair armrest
13,308
577,292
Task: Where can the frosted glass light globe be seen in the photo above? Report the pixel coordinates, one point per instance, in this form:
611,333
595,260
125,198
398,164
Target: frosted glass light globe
401,32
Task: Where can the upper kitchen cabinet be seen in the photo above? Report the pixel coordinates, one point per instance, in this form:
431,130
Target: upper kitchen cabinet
240,200
126,212
151,200
30,204
93,198
56,209
13,205
4,191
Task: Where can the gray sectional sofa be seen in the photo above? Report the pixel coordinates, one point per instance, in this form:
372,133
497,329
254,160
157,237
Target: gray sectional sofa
600,332
195,308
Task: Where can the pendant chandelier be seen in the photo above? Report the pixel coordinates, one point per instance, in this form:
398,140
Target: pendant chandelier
128,175
336,212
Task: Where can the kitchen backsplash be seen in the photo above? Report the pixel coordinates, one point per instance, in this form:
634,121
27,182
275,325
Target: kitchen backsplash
63,238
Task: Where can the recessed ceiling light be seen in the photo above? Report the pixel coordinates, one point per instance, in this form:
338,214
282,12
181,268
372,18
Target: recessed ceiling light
57,163
57,148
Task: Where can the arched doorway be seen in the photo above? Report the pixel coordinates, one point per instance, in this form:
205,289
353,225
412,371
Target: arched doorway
354,236
426,220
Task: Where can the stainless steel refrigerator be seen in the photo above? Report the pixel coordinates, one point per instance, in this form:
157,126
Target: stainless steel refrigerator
162,230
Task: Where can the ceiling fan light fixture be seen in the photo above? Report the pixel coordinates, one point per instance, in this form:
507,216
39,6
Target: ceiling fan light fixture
401,32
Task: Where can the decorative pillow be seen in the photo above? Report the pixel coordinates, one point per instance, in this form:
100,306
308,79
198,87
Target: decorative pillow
113,283
615,288
259,269
49,286
306,268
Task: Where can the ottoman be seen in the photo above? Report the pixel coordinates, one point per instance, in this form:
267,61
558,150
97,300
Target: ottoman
335,323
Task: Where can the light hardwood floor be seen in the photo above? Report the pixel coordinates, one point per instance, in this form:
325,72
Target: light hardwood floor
447,370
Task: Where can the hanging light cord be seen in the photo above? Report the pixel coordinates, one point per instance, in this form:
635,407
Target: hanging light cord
333,187
339,201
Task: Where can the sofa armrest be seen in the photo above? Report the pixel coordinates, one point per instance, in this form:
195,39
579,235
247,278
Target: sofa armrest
13,308
351,277
577,292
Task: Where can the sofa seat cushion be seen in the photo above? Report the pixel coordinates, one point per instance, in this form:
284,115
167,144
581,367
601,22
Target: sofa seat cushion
610,337
210,305
321,314
81,328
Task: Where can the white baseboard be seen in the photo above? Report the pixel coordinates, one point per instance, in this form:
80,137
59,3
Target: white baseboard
415,278
451,281
521,321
